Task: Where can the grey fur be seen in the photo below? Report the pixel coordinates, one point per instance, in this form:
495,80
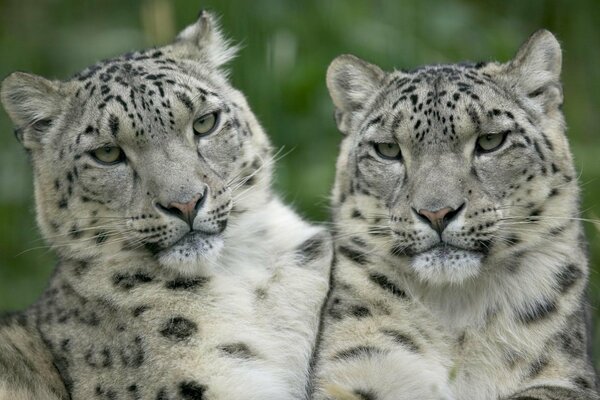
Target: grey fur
488,303
181,275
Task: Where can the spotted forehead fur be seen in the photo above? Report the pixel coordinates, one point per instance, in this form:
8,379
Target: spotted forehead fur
424,101
133,95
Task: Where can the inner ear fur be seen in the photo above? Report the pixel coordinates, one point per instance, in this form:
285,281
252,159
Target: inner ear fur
32,102
204,41
351,81
536,69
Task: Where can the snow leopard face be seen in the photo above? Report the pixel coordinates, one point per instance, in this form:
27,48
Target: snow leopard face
446,168
147,152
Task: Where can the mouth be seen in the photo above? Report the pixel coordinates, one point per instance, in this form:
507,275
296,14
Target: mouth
446,251
191,240
191,251
445,263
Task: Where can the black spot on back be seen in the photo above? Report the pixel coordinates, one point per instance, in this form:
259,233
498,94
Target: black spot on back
353,255
240,350
129,281
178,328
162,394
537,367
186,283
402,338
312,248
567,277
365,394
360,311
133,355
358,352
537,311
582,382
140,310
190,390
384,282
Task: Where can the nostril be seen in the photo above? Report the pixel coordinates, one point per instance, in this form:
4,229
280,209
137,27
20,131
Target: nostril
185,211
174,211
449,216
438,219
200,202
421,216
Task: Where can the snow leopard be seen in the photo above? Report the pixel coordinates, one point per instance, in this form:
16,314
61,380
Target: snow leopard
180,275
460,262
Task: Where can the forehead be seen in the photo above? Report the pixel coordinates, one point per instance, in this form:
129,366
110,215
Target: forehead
439,80
141,95
441,103
148,72
128,66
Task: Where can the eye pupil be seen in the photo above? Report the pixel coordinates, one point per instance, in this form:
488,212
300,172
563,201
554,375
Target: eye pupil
108,155
490,142
206,124
388,151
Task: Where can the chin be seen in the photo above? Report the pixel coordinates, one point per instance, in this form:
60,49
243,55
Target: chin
443,265
193,254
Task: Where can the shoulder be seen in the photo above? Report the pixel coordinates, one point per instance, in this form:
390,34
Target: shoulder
27,368
278,230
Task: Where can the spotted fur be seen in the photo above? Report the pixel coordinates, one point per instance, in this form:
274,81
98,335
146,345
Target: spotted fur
487,302
180,275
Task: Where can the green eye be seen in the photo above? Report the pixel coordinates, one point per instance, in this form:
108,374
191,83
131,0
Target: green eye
490,142
388,151
108,155
206,124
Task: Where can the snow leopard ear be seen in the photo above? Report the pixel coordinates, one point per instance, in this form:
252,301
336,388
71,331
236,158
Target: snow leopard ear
32,102
351,81
536,68
204,41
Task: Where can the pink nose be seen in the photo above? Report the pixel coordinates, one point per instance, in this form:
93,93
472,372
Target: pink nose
439,219
185,211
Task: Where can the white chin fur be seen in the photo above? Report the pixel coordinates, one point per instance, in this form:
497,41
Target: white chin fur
192,255
441,266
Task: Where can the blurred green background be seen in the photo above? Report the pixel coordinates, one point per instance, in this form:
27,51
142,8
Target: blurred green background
287,45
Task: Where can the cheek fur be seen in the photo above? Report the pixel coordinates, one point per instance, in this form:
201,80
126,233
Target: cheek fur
221,151
379,179
108,186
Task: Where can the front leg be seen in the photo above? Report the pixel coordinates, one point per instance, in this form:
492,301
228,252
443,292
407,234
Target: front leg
27,369
548,392
368,373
